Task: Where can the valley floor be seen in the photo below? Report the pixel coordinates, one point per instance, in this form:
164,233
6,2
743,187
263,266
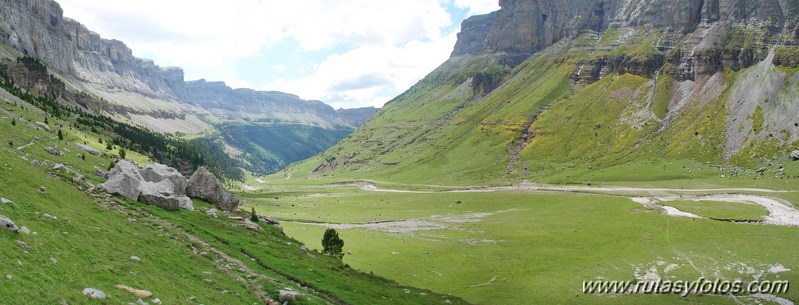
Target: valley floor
532,244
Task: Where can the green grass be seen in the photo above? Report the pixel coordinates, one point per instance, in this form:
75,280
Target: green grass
721,210
538,246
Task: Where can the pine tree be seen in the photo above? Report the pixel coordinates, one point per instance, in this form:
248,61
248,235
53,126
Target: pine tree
46,121
13,122
331,244
122,153
60,135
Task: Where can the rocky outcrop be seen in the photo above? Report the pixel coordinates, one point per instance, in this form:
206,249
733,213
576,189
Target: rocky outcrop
155,184
53,151
204,185
701,37
795,155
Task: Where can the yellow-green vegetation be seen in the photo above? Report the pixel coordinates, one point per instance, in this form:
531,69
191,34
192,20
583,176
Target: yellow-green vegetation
721,210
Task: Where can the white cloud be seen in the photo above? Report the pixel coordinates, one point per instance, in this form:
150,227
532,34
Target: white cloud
477,7
393,43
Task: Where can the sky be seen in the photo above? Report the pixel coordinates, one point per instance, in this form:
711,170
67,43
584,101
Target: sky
347,53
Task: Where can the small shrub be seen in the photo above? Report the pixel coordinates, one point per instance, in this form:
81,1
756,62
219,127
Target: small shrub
13,122
122,153
60,135
253,216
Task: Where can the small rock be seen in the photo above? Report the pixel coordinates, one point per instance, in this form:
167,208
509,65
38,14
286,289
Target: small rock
795,155
137,292
8,202
250,226
53,151
156,301
268,220
288,295
141,302
36,163
9,276
58,167
88,149
407,290
94,293
8,224
25,230
135,258
55,261
24,245
303,248
42,189
212,212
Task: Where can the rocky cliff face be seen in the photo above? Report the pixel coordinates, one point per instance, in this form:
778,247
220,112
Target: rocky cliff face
701,37
107,68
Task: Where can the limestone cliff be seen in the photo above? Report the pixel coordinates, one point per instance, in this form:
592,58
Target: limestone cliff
701,37
139,90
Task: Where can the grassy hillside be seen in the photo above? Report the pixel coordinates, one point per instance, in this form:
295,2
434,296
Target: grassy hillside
475,121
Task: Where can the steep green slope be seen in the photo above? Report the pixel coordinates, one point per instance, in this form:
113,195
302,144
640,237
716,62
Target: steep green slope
550,119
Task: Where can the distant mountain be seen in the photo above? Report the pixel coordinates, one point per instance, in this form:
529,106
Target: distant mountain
567,89
137,91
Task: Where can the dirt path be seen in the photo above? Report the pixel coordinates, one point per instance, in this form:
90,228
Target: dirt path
781,212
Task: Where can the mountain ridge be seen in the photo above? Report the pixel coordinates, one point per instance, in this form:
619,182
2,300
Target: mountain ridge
527,96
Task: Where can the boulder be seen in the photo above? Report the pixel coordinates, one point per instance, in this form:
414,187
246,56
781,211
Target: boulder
159,194
36,163
43,126
160,172
88,149
53,151
795,155
204,185
59,167
247,224
7,224
213,212
94,293
124,179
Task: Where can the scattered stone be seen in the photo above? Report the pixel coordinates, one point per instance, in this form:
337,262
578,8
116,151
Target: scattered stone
8,202
25,230
8,224
9,276
137,292
288,295
304,248
94,293
156,301
213,212
204,185
23,244
55,261
268,220
236,218
795,155
406,290
88,149
50,216
36,163
53,151
43,126
42,189
59,167
141,302
135,258
250,225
